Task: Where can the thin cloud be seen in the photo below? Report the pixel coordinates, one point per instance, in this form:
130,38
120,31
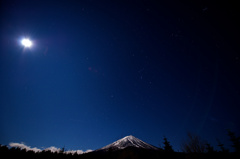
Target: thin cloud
52,149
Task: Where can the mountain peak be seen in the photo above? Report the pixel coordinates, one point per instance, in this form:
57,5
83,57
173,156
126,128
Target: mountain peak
128,141
130,136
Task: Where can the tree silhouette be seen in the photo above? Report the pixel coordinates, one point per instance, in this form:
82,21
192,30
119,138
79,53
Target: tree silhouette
62,150
235,140
193,144
209,148
221,145
167,147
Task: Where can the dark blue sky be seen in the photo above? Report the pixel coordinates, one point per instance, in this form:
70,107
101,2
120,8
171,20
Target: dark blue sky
99,71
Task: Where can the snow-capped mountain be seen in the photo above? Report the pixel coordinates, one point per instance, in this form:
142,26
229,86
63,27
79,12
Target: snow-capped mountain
128,141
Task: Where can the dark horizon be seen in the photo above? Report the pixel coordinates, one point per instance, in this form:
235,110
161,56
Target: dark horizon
192,140
98,71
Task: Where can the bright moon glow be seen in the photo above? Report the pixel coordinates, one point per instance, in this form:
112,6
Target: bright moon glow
26,43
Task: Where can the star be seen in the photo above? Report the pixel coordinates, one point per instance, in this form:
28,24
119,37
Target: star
26,43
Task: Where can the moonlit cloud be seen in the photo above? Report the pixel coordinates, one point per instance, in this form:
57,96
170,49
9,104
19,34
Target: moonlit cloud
23,146
74,151
52,149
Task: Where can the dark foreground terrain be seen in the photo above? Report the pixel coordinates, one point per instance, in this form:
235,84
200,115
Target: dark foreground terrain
127,153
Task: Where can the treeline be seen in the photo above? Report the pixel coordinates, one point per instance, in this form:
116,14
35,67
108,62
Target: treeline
192,148
194,144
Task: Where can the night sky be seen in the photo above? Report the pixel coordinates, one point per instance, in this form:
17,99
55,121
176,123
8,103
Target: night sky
101,70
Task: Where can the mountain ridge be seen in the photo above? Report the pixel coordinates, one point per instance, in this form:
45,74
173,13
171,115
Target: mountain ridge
128,141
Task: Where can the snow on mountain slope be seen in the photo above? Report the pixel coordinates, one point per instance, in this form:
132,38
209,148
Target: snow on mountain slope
128,141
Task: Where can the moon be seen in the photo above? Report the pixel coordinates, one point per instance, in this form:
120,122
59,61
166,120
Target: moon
26,42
